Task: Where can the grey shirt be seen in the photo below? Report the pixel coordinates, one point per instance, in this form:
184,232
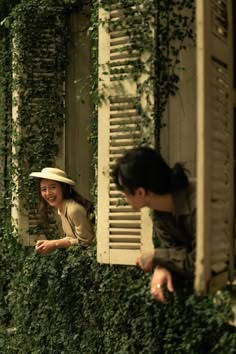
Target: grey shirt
177,234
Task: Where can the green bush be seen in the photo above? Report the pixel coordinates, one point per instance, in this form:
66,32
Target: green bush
67,303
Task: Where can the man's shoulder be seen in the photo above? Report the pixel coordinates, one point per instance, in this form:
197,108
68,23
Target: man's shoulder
192,192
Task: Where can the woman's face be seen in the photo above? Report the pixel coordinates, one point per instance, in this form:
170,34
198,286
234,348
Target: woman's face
51,192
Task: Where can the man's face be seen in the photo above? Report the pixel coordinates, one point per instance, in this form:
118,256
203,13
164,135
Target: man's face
136,199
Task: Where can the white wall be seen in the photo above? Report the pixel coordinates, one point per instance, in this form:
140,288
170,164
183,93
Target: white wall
178,138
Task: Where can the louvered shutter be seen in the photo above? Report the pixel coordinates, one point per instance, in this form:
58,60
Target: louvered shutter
122,232
214,144
26,221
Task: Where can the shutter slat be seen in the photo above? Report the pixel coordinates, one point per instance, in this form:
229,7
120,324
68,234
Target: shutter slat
124,245
123,231
125,238
123,216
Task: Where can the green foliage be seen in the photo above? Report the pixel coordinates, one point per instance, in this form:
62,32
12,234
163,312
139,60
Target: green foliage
156,31
39,63
67,303
33,38
11,253
93,131
5,8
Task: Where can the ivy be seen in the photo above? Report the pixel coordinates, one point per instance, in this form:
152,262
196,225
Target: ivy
67,302
39,36
33,38
157,32
38,66
174,30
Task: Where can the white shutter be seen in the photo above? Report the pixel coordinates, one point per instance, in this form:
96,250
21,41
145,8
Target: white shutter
214,144
121,231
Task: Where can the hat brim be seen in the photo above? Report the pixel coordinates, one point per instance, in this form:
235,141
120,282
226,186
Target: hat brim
52,177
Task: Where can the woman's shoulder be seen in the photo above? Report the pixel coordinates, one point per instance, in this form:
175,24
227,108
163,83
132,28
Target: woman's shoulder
74,208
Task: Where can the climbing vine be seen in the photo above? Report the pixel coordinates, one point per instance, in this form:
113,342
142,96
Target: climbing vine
38,33
35,36
33,59
155,33
54,304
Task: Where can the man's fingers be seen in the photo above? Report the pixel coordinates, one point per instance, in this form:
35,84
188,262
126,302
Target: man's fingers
169,284
158,295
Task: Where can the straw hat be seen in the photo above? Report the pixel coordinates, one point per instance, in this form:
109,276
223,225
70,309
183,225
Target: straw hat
54,174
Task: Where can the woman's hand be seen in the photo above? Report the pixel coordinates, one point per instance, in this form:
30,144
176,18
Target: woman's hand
145,261
45,246
161,278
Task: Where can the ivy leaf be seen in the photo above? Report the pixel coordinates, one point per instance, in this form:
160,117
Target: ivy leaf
5,22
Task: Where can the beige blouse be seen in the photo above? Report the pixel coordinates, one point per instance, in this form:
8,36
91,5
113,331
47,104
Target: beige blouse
75,223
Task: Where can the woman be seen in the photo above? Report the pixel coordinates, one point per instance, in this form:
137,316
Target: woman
55,190
148,181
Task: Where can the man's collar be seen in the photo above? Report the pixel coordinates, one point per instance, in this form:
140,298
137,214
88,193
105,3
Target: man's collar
185,200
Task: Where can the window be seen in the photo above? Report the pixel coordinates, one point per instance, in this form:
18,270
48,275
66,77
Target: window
121,230
73,142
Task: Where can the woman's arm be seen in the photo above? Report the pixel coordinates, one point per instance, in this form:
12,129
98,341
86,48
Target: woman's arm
81,225
47,246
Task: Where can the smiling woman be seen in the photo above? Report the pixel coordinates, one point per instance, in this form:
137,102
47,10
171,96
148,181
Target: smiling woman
55,190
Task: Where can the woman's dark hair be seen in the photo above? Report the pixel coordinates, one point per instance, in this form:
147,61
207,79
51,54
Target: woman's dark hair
68,193
145,167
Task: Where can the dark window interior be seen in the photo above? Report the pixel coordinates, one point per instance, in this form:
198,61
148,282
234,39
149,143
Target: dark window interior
234,83
234,40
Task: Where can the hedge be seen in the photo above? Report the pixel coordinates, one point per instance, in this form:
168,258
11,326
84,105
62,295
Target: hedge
67,303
